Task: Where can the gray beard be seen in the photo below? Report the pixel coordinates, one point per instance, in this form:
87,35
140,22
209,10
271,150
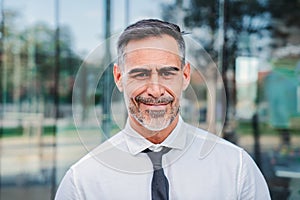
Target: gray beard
158,119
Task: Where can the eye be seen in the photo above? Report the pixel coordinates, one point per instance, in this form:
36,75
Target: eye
166,74
141,75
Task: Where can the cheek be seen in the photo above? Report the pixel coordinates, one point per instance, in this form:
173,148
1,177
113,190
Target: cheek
130,93
132,86
175,92
133,89
175,87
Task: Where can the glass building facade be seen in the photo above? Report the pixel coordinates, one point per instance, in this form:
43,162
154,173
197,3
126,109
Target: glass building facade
58,100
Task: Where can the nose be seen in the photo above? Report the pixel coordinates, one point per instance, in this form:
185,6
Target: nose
155,90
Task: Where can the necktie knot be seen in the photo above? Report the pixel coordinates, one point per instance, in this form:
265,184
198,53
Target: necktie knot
156,157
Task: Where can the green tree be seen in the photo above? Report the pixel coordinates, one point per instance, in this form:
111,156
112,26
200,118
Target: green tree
28,55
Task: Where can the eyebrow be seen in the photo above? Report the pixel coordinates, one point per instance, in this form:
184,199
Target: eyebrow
139,70
169,68
163,69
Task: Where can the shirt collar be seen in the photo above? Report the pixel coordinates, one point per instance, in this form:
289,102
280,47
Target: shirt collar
137,143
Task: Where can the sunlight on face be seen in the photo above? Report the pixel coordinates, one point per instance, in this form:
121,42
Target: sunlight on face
154,113
153,80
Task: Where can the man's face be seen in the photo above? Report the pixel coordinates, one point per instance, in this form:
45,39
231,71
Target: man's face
152,80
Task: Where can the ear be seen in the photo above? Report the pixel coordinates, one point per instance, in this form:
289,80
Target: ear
118,77
186,75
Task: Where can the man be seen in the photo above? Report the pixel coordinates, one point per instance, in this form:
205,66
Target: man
152,73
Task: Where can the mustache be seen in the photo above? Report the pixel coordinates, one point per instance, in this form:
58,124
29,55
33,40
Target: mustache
149,100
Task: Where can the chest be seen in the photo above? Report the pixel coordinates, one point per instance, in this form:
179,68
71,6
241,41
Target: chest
186,181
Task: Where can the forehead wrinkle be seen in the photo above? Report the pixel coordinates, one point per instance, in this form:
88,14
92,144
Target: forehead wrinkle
162,43
150,53
157,60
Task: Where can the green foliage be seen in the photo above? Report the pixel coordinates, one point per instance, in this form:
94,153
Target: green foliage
241,19
35,48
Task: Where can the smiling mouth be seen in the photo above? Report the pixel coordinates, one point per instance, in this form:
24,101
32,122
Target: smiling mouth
154,102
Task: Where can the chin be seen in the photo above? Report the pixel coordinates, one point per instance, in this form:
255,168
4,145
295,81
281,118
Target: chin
158,125
154,120
155,123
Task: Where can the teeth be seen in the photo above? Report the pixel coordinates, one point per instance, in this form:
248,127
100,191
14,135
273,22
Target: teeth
150,101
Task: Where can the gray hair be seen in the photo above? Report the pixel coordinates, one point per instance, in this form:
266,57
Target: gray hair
149,28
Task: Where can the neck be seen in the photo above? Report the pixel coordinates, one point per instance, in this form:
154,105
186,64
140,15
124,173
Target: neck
156,137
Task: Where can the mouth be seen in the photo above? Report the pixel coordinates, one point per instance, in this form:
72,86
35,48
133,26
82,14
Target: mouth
154,104
155,107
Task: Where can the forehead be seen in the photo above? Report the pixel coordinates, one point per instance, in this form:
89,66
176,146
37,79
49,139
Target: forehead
153,50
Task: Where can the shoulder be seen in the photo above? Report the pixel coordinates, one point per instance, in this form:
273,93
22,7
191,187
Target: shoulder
94,158
111,157
211,146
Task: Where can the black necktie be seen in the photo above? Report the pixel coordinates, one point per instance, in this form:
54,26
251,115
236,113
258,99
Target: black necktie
160,184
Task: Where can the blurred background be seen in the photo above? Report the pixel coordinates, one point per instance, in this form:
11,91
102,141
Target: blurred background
255,44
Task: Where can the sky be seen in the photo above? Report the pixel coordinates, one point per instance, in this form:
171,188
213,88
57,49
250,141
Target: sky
85,18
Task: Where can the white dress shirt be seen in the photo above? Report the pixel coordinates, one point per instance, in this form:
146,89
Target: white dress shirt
199,166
